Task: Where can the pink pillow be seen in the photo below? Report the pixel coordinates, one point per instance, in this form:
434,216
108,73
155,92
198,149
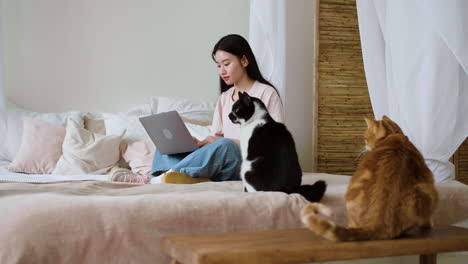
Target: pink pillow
40,149
139,156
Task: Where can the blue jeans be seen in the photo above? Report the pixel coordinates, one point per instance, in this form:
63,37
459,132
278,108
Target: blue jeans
219,161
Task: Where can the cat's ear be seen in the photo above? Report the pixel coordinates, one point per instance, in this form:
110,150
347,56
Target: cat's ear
386,118
242,96
246,98
369,122
391,126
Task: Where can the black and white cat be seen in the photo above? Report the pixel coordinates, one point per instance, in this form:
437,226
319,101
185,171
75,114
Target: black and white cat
269,157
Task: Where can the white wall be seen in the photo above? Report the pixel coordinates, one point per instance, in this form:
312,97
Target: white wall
298,93
109,54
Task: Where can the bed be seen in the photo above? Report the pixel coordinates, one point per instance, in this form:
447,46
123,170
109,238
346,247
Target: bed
83,218
95,221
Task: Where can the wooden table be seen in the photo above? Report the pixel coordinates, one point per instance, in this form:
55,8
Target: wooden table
302,246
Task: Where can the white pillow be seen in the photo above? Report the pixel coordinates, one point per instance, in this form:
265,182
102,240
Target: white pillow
135,131
139,110
191,109
12,129
200,132
116,124
85,152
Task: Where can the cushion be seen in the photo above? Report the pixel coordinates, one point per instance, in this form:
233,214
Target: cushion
139,156
86,152
118,123
200,132
139,110
12,128
196,122
190,109
40,149
95,126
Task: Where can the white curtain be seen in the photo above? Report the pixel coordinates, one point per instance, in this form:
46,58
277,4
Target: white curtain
267,37
2,91
281,33
416,62
3,116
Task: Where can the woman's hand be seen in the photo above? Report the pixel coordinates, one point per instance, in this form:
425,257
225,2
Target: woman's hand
207,140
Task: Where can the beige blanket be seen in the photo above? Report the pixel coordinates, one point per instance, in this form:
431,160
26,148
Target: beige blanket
102,222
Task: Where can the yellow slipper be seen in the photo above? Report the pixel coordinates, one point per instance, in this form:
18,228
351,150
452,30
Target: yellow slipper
176,177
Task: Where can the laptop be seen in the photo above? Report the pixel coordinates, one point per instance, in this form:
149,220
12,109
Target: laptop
168,133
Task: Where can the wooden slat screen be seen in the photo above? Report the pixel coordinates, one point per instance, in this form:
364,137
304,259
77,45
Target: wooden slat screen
462,163
343,95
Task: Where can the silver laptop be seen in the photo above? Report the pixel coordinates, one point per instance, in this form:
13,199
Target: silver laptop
168,133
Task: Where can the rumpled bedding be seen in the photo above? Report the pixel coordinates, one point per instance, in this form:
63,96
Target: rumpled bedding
103,222
6,175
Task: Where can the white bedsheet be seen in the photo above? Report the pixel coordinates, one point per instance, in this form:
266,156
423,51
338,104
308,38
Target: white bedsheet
6,175
452,208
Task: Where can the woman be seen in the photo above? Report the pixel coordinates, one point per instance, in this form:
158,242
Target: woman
218,157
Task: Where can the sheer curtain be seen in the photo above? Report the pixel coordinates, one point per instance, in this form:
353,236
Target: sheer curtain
2,89
267,37
281,34
416,63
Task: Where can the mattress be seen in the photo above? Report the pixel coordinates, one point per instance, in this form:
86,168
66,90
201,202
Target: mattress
105,222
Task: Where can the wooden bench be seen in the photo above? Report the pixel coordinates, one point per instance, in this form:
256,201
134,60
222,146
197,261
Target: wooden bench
302,246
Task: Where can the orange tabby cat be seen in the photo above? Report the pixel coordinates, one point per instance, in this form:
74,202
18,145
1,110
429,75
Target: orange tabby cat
391,191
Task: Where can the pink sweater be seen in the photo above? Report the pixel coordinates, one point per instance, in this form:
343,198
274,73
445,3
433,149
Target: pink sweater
222,125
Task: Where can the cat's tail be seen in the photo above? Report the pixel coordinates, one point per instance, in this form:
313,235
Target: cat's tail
326,228
313,193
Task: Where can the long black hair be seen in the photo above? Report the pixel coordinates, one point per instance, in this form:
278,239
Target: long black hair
237,45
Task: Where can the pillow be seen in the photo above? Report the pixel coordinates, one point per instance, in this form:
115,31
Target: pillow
116,124
12,128
139,156
200,132
190,109
196,122
41,147
95,126
139,110
85,152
